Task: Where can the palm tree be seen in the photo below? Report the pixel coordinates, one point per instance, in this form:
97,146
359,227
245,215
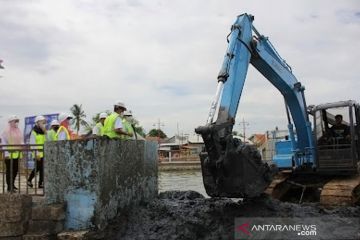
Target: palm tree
79,117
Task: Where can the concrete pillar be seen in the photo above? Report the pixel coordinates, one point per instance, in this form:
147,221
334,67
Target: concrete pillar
15,212
98,178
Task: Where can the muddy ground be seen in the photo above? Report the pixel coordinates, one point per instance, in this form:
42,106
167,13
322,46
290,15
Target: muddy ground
188,215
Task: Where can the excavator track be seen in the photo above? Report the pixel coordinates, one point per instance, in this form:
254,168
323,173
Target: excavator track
277,189
343,191
331,192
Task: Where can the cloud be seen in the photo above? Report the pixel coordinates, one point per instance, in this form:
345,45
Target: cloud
162,57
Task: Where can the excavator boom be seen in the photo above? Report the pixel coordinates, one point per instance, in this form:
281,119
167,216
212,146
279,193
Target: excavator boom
230,167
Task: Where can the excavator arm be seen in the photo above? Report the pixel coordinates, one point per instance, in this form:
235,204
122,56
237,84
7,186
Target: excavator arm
231,168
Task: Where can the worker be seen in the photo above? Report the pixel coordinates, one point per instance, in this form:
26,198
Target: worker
38,136
127,124
54,127
340,130
12,135
113,127
64,132
98,129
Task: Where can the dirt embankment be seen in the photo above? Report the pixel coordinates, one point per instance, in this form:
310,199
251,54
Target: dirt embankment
188,215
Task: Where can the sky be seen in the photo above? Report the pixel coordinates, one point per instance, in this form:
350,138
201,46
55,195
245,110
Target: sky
161,58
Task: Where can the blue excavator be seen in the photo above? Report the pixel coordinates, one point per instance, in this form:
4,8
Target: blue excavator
318,161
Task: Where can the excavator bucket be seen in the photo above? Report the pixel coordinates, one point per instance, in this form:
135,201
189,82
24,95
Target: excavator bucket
236,172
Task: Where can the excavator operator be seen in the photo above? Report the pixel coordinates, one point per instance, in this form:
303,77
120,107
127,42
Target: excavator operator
339,130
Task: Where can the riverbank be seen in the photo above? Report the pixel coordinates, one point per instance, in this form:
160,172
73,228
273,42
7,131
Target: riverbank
188,215
179,165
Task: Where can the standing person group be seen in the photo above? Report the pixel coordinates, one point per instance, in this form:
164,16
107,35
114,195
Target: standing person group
115,126
59,130
12,136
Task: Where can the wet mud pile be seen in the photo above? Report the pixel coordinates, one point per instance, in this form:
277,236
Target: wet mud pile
188,215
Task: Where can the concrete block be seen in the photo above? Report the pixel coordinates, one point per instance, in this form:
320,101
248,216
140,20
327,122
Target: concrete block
11,215
39,236
12,229
98,178
45,227
72,235
54,212
11,238
15,211
14,207
14,201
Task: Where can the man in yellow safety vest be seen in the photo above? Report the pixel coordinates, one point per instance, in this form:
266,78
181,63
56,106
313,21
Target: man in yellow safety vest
98,129
38,137
128,127
113,127
54,127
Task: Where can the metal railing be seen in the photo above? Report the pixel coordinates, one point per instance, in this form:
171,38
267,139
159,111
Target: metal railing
16,164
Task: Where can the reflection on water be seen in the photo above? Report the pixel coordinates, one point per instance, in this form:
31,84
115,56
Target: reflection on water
181,180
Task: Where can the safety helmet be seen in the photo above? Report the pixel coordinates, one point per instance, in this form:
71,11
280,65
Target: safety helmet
128,113
12,118
39,118
102,115
54,123
120,104
64,116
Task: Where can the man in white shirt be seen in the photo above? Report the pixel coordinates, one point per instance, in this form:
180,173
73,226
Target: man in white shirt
113,127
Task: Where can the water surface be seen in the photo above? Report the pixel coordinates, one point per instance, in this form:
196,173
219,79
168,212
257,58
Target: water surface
181,180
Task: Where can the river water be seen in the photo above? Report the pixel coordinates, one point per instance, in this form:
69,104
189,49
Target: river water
181,180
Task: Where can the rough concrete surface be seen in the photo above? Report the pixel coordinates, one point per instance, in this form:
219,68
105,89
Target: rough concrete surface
12,238
99,177
188,215
55,212
45,226
38,236
72,235
15,211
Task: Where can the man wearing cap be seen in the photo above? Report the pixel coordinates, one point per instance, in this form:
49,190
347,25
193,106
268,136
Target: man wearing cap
113,127
128,127
98,129
12,135
38,136
63,132
54,127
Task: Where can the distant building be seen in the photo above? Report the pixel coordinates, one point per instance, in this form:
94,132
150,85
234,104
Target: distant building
258,139
195,144
181,148
265,143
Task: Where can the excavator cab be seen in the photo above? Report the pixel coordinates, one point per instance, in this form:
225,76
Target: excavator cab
334,180
336,130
